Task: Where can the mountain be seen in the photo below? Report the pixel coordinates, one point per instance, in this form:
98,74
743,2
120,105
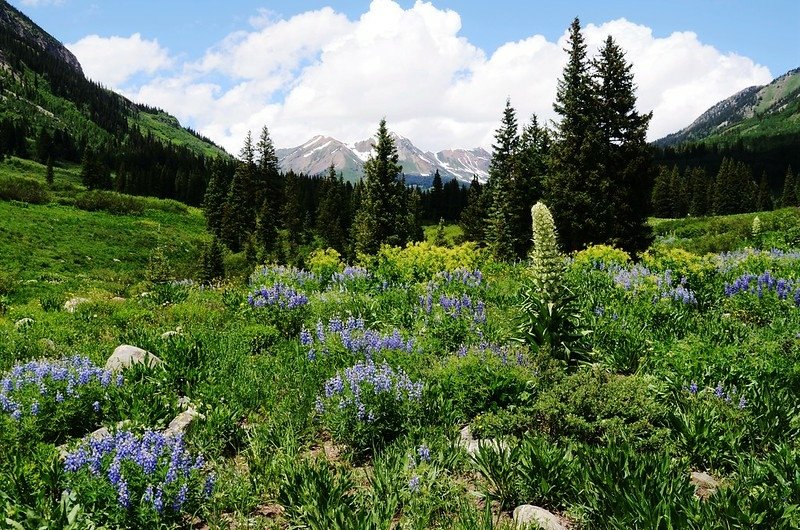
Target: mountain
754,113
316,155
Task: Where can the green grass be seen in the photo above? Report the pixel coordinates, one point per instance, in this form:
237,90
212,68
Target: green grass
452,233
168,129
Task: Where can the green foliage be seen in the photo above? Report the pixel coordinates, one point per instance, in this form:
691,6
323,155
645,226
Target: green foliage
213,262
23,190
111,202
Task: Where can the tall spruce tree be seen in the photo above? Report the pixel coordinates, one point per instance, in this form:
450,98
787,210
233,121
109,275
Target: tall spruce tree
789,197
573,186
502,171
268,193
239,218
662,194
473,216
415,214
437,196
764,197
333,212
216,195
527,186
701,191
381,217
626,155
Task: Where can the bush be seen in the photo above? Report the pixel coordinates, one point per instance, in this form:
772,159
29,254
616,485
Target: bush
367,405
419,262
111,202
138,481
23,189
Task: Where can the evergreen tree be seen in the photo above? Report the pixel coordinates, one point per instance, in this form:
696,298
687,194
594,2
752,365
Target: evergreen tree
764,198
415,214
49,176
573,186
502,169
332,213
94,173
701,192
679,193
216,195
293,213
239,218
527,188
439,238
748,191
789,197
472,220
626,161
213,267
662,194
437,196
381,217
725,200
268,194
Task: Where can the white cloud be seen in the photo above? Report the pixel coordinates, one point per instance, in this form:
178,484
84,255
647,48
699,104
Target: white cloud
114,60
321,73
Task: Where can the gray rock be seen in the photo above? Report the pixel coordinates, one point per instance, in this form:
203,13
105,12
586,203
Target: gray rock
23,323
182,422
169,334
471,445
126,355
527,515
71,304
704,484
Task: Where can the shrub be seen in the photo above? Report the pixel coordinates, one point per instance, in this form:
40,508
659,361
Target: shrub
24,190
419,262
324,262
111,202
138,481
368,405
49,400
601,254
280,306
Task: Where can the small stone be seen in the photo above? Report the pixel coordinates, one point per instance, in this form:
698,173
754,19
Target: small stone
528,514
126,355
169,334
71,304
118,299
472,446
23,323
705,485
182,422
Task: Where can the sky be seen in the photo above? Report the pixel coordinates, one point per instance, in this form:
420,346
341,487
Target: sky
438,71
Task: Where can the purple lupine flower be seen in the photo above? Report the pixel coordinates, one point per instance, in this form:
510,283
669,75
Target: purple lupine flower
413,484
693,388
424,453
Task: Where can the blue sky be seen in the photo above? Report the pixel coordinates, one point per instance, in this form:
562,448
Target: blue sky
438,71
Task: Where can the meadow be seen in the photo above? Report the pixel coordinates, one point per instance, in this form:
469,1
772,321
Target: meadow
337,396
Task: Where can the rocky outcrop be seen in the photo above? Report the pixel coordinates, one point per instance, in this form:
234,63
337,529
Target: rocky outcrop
125,356
531,516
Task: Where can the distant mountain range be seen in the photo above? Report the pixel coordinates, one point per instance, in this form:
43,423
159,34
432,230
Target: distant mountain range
756,112
315,156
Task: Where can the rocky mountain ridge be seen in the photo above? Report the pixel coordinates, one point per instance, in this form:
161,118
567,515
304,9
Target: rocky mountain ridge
315,156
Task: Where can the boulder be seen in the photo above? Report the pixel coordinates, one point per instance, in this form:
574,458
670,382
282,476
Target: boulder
126,355
23,323
704,484
71,304
528,514
471,445
182,422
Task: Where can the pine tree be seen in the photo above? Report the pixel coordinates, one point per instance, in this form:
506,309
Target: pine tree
414,220
333,212
789,197
502,169
439,238
573,186
437,196
527,188
213,267
292,212
626,158
662,194
49,176
268,194
702,188
679,194
239,218
215,196
472,220
725,200
764,198
381,218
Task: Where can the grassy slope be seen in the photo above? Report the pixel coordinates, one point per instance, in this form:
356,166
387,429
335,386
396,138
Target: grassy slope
59,247
167,128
